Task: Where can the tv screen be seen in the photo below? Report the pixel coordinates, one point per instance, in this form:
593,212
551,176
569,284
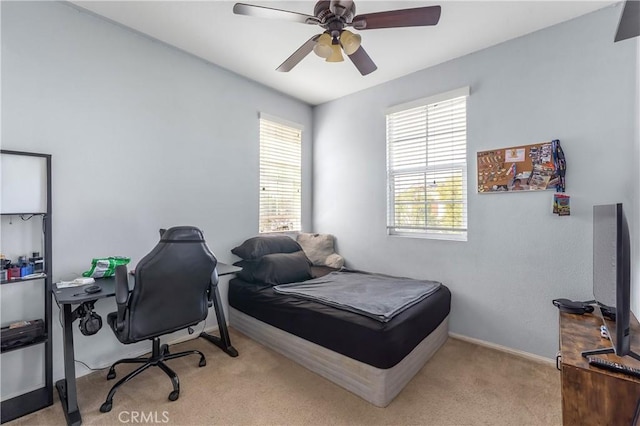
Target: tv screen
612,272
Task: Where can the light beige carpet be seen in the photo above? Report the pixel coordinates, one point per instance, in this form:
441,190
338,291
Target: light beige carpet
463,384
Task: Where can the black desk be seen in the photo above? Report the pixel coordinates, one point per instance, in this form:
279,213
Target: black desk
67,297
223,342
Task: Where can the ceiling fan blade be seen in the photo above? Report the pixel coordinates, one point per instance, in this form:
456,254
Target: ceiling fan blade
270,13
298,55
362,61
629,25
417,17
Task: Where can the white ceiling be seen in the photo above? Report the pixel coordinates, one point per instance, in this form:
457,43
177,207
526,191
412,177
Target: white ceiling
255,47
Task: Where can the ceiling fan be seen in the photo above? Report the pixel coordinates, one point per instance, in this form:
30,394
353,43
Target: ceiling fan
334,16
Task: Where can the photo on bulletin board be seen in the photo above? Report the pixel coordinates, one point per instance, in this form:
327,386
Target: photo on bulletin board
518,168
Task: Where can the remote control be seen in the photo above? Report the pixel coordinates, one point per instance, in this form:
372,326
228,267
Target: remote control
614,366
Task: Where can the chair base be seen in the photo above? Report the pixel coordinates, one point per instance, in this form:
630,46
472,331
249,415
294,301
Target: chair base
159,354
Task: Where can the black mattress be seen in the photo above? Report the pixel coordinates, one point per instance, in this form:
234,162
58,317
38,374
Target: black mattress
378,344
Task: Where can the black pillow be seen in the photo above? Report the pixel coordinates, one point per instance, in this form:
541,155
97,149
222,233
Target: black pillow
276,268
256,247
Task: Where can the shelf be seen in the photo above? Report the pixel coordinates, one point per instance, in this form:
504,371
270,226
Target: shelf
20,280
41,339
15,182
21,214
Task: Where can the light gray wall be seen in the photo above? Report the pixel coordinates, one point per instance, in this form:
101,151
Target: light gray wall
569,82
143,136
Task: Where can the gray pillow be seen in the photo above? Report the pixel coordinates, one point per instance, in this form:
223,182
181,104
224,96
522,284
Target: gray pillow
276,268
256,247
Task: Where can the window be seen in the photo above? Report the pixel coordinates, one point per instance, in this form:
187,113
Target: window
280,175
427,167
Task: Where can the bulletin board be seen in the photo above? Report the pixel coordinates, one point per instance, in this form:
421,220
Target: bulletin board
518,168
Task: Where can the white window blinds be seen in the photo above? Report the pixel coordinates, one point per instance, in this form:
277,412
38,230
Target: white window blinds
427,169
280,176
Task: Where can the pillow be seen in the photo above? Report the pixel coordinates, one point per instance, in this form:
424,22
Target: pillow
334,261
276,268
256,247
320,250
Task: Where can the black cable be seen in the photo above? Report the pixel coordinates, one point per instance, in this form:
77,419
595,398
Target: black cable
43,215
92,369
31,216
82,362
76,360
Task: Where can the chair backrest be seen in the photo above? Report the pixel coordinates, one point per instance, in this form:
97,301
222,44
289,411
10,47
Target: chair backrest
172,284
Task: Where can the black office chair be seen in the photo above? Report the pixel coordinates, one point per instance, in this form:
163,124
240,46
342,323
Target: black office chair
174,288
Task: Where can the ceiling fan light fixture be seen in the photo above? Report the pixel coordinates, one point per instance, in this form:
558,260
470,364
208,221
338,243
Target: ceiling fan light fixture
350,42
333,17
323,46
336,54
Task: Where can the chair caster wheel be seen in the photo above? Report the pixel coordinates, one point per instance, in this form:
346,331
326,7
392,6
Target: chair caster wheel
202,362
111,375
174,395
106,407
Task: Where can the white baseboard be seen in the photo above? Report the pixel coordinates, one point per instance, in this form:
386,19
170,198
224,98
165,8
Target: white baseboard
522,354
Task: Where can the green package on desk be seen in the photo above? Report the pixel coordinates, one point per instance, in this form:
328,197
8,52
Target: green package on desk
103,267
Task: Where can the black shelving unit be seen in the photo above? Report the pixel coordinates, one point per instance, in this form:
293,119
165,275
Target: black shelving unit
42,397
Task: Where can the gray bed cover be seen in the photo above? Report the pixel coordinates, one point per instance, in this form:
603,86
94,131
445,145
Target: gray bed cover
377,296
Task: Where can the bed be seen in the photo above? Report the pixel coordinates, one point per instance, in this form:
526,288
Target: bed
374,359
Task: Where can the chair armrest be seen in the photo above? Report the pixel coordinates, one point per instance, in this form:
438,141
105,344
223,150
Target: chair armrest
212,287
122,294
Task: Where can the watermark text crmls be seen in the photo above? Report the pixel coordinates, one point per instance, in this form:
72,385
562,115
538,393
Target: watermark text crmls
134,416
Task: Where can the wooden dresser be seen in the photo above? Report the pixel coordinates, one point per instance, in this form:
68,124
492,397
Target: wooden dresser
591,395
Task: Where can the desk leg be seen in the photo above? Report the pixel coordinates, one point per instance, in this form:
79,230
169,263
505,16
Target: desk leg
67,386
223,342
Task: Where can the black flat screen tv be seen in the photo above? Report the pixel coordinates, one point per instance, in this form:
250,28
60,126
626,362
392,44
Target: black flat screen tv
612,276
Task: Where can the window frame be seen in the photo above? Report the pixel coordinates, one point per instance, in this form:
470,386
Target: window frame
290,126
462,167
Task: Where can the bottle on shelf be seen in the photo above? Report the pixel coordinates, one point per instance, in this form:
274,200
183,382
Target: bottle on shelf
25,266
37,261
14,272
26,270
3,268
